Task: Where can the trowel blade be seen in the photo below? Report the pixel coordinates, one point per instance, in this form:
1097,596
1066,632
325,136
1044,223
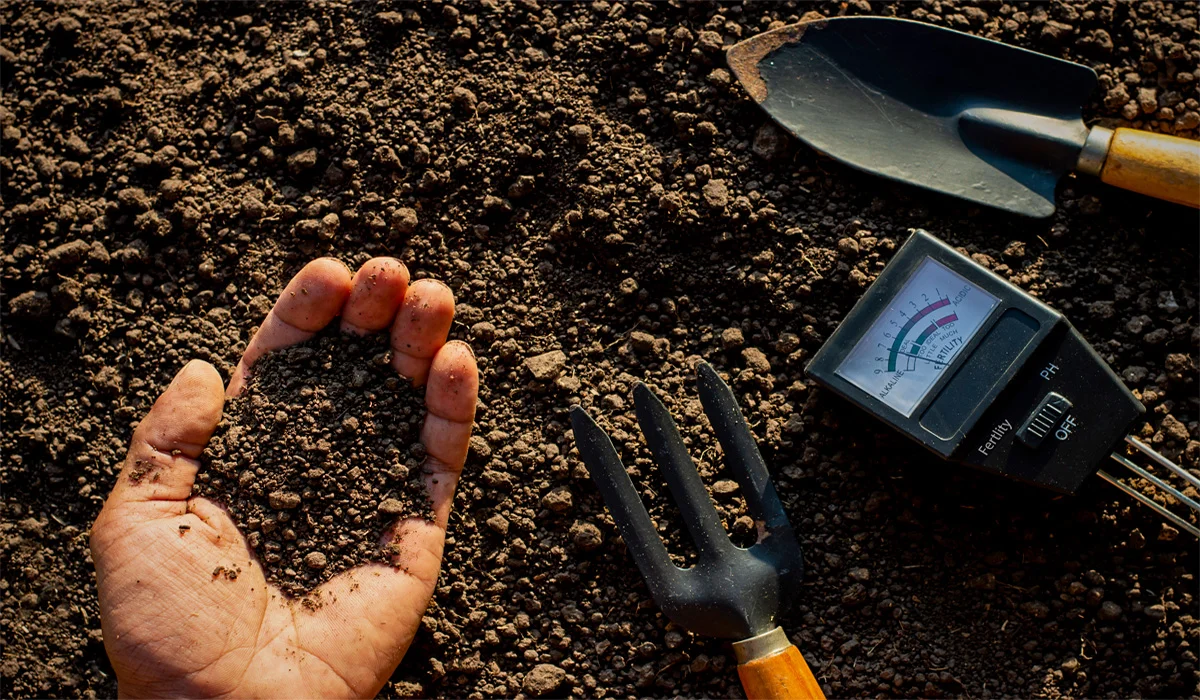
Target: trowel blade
932,107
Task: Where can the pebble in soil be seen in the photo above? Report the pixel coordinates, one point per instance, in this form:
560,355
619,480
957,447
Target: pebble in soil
318,456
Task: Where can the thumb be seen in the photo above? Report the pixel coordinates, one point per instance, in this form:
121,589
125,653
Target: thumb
162,464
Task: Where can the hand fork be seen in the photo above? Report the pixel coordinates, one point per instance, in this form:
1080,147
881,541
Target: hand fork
731,592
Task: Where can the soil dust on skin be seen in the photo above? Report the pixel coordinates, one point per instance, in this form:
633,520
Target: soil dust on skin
607,205
317,456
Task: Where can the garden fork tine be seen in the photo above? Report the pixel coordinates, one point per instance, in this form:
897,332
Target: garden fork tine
644,544
662,436
741,453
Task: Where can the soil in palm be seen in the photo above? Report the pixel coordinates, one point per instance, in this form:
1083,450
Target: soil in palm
318,456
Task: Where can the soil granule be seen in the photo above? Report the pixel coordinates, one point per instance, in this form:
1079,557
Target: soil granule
318,456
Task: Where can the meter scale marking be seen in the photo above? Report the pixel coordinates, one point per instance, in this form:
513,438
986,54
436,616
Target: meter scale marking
894,352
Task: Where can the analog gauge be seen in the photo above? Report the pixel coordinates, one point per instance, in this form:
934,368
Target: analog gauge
912,342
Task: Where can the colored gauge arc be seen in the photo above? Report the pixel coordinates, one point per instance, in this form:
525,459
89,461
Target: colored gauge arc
940,317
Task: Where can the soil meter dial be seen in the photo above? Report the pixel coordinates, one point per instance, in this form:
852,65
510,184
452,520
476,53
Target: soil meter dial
981,373
920,333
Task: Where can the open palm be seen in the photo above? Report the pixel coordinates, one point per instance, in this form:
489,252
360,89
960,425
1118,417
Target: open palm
185,608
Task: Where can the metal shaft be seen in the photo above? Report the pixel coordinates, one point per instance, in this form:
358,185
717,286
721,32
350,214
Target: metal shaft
1156,481
1147,501
1162,461
1142,498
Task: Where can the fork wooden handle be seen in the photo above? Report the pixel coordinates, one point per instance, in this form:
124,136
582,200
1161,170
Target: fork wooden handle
771,668
1167,167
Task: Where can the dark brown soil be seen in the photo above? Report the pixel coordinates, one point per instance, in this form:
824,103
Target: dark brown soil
588,180
317,456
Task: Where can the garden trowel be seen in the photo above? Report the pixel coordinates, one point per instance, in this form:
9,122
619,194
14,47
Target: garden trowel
953,113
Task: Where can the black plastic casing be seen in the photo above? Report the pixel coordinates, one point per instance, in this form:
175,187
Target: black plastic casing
1023,351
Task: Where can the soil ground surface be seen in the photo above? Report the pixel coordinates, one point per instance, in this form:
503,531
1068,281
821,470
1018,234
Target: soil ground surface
608,206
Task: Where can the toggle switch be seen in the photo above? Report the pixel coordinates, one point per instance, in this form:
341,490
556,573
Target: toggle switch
1044,419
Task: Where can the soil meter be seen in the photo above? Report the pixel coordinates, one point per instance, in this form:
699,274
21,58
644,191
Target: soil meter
983,374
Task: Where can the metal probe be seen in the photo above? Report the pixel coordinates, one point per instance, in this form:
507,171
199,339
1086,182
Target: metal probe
1143,498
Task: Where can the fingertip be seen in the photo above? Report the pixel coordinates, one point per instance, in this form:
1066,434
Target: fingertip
436,286
328,263
197,383
237,381
453,383
460,346
315,295
455,355
199,371
436,298
421,327
313,298
376,293
329,269
387,264
185,415
424,319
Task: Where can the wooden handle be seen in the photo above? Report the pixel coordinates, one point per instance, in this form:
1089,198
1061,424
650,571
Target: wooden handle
782,675
1167,167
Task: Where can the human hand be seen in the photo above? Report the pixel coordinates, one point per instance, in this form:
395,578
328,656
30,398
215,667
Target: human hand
170,628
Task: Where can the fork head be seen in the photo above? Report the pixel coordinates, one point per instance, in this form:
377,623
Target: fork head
730,592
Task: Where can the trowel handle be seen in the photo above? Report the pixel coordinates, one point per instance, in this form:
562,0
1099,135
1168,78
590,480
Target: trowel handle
771,668
1166,167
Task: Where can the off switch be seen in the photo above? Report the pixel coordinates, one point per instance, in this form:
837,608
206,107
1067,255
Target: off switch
1044,419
